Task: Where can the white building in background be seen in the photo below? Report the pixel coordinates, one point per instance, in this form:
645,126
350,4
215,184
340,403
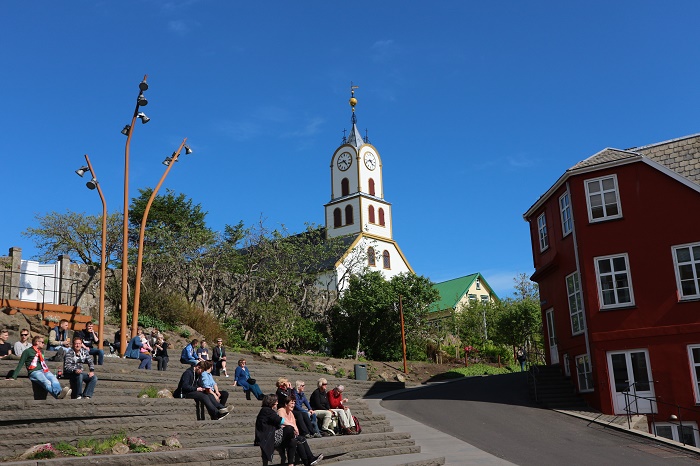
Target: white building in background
358,212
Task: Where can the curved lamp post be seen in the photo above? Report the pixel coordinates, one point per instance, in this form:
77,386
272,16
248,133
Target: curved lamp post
92,184
168,162
127,131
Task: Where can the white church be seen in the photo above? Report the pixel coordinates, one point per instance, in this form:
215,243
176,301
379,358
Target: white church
358,212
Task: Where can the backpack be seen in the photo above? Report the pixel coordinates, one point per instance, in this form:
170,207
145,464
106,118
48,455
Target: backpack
358,429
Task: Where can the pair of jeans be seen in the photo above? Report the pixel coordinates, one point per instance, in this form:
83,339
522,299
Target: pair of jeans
47,380
162,362
76,384
100,355
145,359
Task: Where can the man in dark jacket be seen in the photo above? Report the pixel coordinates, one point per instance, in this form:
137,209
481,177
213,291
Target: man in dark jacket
321,406
189,387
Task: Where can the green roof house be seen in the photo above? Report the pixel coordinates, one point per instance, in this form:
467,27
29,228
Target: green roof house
458,292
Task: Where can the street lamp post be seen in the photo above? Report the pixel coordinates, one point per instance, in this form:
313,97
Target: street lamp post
92,184
168,162
128,131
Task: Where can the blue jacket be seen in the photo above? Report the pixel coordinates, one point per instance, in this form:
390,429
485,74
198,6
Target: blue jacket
241,376
188,355
133,348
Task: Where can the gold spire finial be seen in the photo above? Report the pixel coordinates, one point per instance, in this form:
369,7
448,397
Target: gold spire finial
353,100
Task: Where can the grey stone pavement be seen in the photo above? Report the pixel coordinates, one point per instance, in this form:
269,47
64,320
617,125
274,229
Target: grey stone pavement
544,433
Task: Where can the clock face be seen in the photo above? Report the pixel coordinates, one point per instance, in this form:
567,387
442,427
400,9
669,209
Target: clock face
370,161
344,161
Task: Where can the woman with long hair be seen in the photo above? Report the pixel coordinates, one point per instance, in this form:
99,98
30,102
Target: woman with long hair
303,449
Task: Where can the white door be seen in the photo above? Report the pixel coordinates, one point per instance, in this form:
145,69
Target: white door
552,338
631,383
38,283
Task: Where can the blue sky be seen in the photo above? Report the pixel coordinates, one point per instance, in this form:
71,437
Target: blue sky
475,107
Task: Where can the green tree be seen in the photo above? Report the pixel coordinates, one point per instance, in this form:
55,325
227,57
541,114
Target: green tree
77,235
368,315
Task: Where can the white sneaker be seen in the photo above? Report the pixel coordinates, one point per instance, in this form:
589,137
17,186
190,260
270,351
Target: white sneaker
79,397
317,460
64,393
227,375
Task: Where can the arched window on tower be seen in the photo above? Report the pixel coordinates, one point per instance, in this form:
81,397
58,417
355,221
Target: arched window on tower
381,216
371,259
348,215
387,259
337,218
344,187
371,187
371,214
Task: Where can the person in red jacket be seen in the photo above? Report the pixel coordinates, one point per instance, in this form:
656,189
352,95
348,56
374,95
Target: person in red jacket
337,402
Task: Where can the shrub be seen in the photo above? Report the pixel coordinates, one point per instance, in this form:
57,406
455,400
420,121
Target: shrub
184,333
67,449
203,322
46,451
340,373
491,352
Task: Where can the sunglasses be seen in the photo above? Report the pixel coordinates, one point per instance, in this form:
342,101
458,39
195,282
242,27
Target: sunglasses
24,334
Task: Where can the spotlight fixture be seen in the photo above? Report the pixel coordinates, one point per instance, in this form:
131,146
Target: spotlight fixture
144,118
81,171
143,85
188,151
167,161
126,130
92,184
142,101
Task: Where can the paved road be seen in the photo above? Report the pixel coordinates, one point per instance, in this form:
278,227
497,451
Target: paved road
494,415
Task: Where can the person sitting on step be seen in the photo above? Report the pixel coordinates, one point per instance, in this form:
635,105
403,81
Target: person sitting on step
336,400
138,348
160,353
39,372
203,350
271,432
5,347
23,343
284,392
189,354
302,406
242,378
208,382
91,342
73,370
319,403
303,451
190,387
219,358
58,337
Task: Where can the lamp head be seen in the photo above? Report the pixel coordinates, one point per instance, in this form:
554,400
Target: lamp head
81,171
142,101
188,151
167,161
144,118
92,184
126,130
143,85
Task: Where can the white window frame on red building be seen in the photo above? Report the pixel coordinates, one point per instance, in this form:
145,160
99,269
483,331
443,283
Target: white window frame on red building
584,373
695,370
542,232
614,273
602,192
567,224
690,266
573,291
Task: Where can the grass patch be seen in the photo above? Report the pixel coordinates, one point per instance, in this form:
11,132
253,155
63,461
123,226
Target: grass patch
480,369
150,391
102,446
67,449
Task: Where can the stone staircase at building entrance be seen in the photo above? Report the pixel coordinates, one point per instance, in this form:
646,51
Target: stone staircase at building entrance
116,408
548,387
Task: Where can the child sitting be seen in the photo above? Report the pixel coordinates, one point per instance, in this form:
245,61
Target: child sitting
208,383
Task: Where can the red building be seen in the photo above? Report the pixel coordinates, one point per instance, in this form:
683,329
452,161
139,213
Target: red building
616,249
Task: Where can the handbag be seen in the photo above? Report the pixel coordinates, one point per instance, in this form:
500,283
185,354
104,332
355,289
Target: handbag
251,381
279,433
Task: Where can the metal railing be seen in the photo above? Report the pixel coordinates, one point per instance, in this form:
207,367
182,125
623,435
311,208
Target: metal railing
62,291
633,399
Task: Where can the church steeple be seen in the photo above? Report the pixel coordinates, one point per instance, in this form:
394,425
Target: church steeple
355,138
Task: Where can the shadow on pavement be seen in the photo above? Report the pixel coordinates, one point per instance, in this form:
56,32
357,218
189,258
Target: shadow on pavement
510,389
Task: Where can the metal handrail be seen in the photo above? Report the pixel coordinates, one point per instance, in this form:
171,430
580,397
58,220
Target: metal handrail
635,400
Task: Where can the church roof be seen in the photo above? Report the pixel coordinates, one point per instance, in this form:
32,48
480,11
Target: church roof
355,138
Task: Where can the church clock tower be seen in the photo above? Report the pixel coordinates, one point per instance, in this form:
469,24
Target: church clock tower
357,202
358,211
